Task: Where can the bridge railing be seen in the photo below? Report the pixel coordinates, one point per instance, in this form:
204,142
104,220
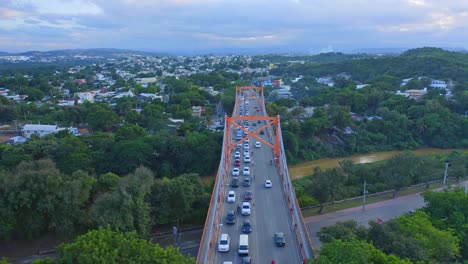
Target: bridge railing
211,229
298,220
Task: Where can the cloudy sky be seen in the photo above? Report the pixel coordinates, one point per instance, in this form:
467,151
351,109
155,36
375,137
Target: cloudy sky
204,25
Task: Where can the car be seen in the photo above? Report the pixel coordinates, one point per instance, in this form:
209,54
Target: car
246,171
248,195
246,182
224,241
246,227
262,132
258,121
237,162
280,241
254,124
235,182
247,141
258,110
246,134
227,262
247,260
245,208
246,146
237,155
247,159
268,184
235,171
231,197
257,144
246,152
231,217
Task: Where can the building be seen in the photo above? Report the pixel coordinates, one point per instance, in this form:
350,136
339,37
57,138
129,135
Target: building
145,80
439,84
198,111
416,94
86,96
16,140
40,130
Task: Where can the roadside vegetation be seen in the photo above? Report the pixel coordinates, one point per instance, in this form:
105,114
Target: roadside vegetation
435,234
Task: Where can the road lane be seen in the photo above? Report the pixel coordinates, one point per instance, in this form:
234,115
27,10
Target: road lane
269,210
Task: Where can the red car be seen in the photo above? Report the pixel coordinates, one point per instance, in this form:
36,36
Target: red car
237,162
248,195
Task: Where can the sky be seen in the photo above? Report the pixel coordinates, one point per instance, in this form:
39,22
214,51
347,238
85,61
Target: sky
181,26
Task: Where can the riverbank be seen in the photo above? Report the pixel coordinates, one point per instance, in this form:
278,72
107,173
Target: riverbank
306,168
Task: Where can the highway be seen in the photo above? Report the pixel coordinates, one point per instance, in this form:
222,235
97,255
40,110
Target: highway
269,213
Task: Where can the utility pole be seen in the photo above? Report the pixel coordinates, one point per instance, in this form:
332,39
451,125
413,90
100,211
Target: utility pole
447,164
364,192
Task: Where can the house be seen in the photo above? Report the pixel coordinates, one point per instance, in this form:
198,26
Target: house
416,94
405,82
150,96
40,130
145,80
402,93
80,81
86,96
16,140
439,84
198,111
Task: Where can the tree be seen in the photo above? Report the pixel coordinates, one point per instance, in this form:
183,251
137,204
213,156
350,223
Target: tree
355,252
345,231
389,238
126,208
100,119
399,170
129,132
449,211
106,246
441,245
38,198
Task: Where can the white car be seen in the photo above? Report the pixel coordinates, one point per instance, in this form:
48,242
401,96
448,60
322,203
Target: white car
224,241
231,198
246,152
268,184
237,155
247,141
247,159
257,144
245,208
246,171
235,172
246,146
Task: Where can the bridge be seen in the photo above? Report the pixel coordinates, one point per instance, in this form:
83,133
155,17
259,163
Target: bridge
250,132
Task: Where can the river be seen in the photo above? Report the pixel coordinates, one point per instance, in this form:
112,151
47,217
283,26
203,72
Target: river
307,168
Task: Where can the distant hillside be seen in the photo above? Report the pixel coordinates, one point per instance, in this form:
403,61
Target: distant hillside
104,52
430,62
319,58
2,53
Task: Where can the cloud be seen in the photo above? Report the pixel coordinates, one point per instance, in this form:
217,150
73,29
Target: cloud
58,7
178,25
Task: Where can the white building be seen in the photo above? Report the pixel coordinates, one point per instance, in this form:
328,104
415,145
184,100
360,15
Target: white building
40,130
439,84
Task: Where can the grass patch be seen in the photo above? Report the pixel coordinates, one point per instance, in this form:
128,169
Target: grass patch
369,200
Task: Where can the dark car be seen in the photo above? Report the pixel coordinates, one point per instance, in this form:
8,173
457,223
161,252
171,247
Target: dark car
248,195
246,260
262,132
246,182
279,239
231,218
237,162
246,227
235,182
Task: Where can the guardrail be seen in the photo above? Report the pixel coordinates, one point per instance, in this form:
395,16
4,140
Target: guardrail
296,214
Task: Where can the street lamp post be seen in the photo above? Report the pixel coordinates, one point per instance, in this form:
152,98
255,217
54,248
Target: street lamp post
364,193
447,164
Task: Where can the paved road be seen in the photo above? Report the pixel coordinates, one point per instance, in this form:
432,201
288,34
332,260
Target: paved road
270,213
384,210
